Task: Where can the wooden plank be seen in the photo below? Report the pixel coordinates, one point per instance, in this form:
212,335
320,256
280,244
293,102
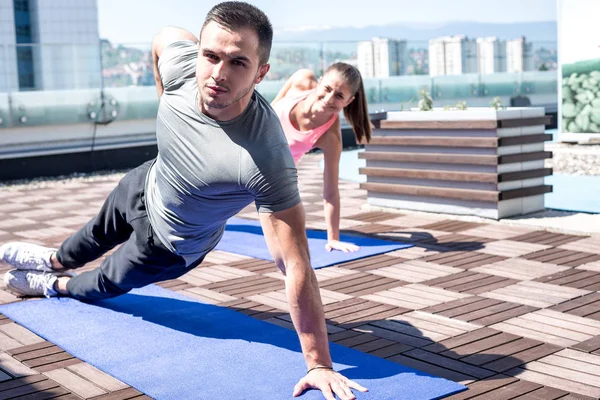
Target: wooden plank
428,191
502,351
370,263
435,370
353,323
368,314
46,385
518,122
24,335
525,139
481,308
124,394
525,192
486,284
374,346
472,349
522,357
483,387
523,157
464,259
544,393
501,316
556,360
475,124
373,216
49,359
357,340
486,311
513,390
31,347
590,359
60,364
342,335
589,345
461,306
392,350
99,378
24,381
547,238
75,383
457,176
520,175
460,340
442,158
352,304
374,286
438,141
556,382
451,226
453,279
449,363
14,367
396,332
38,353
558,256
564,372
415,271
580,279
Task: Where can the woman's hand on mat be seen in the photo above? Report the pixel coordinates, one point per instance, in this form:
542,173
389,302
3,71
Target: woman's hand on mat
330,383
341,246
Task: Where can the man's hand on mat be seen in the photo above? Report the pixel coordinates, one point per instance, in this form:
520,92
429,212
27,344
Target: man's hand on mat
330,383
341,246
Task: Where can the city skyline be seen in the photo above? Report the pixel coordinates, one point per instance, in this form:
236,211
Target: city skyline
115,16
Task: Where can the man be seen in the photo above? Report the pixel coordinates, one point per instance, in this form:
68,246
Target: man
220,148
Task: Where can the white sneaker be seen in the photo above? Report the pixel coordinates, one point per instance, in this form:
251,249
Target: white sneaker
33,283
27,256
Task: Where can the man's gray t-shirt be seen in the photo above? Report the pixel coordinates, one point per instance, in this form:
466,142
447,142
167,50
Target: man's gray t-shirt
206,170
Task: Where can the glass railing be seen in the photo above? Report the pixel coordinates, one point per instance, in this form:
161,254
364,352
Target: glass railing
74,84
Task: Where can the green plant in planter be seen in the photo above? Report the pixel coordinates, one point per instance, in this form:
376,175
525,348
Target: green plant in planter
426,102
409,102
461,105
497,103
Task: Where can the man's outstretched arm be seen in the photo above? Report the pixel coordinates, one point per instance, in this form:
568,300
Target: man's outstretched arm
165,37
286,238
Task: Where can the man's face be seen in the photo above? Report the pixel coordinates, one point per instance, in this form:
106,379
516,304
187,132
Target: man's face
228,67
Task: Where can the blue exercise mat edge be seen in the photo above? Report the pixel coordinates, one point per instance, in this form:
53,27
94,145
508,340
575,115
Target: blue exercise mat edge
244,236
63,335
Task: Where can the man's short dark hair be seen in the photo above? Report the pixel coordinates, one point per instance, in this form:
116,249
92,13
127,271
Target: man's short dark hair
235,15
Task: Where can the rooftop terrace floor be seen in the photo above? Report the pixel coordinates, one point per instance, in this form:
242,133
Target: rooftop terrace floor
512,311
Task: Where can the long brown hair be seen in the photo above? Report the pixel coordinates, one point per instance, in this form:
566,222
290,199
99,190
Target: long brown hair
357,112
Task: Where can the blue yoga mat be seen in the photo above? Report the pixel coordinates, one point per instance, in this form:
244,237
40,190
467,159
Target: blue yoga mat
170,346
245,236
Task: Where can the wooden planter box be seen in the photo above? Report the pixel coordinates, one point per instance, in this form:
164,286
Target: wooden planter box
479,161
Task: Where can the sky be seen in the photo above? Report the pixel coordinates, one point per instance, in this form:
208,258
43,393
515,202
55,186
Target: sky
576,42
134,21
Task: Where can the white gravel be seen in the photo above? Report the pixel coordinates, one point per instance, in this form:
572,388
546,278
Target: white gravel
574,159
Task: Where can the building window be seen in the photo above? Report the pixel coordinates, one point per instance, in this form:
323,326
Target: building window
24,51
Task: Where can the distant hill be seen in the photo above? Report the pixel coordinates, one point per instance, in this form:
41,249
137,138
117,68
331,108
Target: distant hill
533,31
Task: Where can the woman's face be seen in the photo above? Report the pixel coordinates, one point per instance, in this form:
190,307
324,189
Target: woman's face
333,93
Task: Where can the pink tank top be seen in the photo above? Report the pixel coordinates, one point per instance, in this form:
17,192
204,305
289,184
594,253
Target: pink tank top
301,142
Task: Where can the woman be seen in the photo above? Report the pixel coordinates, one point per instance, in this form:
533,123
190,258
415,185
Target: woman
309,113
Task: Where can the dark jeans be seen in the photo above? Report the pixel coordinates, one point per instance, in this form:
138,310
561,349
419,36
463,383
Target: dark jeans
141,260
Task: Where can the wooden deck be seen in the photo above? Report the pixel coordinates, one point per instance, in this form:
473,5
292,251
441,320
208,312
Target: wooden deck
512,312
